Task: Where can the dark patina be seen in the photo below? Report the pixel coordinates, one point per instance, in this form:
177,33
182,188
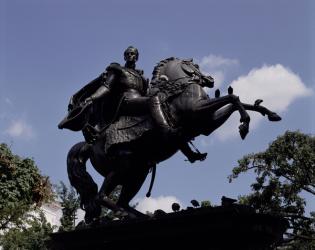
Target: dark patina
130,125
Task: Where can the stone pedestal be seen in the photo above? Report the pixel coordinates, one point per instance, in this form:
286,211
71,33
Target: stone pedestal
231,227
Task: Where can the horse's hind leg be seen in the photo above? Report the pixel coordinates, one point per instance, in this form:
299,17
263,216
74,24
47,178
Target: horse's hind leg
126,173
81,180
110,183
131,186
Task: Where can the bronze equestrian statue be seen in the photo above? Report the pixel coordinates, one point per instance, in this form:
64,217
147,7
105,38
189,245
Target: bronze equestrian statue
130,125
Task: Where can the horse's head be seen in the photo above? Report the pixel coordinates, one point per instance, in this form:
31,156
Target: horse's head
174,70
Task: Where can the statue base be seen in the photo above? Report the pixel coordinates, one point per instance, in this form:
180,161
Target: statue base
224,227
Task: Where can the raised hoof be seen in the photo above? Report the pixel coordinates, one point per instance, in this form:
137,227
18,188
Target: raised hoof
245,119
243,129
258,102
274,117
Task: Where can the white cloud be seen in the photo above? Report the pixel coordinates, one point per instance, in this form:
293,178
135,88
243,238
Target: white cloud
217,67
8,101
5,105
277,85
20,129
151,204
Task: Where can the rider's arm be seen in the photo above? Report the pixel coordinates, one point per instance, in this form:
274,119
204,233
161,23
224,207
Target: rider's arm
102,91
109,78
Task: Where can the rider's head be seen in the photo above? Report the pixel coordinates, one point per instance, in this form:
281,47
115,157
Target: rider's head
131,54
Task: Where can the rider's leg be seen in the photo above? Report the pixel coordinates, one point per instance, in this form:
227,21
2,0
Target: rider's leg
190,154
158,115
140,105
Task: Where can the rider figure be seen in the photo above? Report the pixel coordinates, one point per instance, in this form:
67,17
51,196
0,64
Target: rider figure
129,84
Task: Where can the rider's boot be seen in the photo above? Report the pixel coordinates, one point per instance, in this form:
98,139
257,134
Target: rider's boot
159,117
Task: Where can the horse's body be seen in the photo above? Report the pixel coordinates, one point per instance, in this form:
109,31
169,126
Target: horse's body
191,112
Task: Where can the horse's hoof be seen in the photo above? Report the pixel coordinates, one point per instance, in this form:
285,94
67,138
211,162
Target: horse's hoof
245,119
81,225
122,214
243,129
92,211
274,117
258,102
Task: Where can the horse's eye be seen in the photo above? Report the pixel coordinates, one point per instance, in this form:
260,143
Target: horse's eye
188,70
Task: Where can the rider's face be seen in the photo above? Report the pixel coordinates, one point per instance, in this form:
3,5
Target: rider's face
131,55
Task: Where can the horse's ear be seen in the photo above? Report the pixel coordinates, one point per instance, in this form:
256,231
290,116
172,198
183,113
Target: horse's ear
189,60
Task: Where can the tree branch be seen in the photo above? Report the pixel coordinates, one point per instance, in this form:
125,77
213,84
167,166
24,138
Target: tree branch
304,237
307,189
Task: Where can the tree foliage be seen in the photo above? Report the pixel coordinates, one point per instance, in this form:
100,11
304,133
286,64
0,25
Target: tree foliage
114,196
283,172
70,204
32,235
22,188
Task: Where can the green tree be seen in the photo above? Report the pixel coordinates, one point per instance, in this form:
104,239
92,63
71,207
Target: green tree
22,191
22,188
70,204
114,196
283,172
31,236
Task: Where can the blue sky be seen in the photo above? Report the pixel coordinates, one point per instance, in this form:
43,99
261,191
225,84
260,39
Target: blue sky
50,49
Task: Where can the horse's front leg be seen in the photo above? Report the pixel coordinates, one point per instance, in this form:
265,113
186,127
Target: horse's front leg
207,106
272,116
220,114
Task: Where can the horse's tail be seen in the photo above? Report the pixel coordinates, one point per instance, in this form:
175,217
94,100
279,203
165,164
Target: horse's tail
78,176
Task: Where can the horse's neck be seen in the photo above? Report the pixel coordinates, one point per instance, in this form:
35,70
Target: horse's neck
184,105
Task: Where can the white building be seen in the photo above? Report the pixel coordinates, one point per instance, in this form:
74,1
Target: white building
53,213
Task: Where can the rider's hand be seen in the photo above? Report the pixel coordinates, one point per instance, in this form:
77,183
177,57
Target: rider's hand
88,101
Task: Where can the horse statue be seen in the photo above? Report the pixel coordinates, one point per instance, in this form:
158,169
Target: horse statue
189,110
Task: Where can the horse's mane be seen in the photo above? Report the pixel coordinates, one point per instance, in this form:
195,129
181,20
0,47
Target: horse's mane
170,87
157,69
